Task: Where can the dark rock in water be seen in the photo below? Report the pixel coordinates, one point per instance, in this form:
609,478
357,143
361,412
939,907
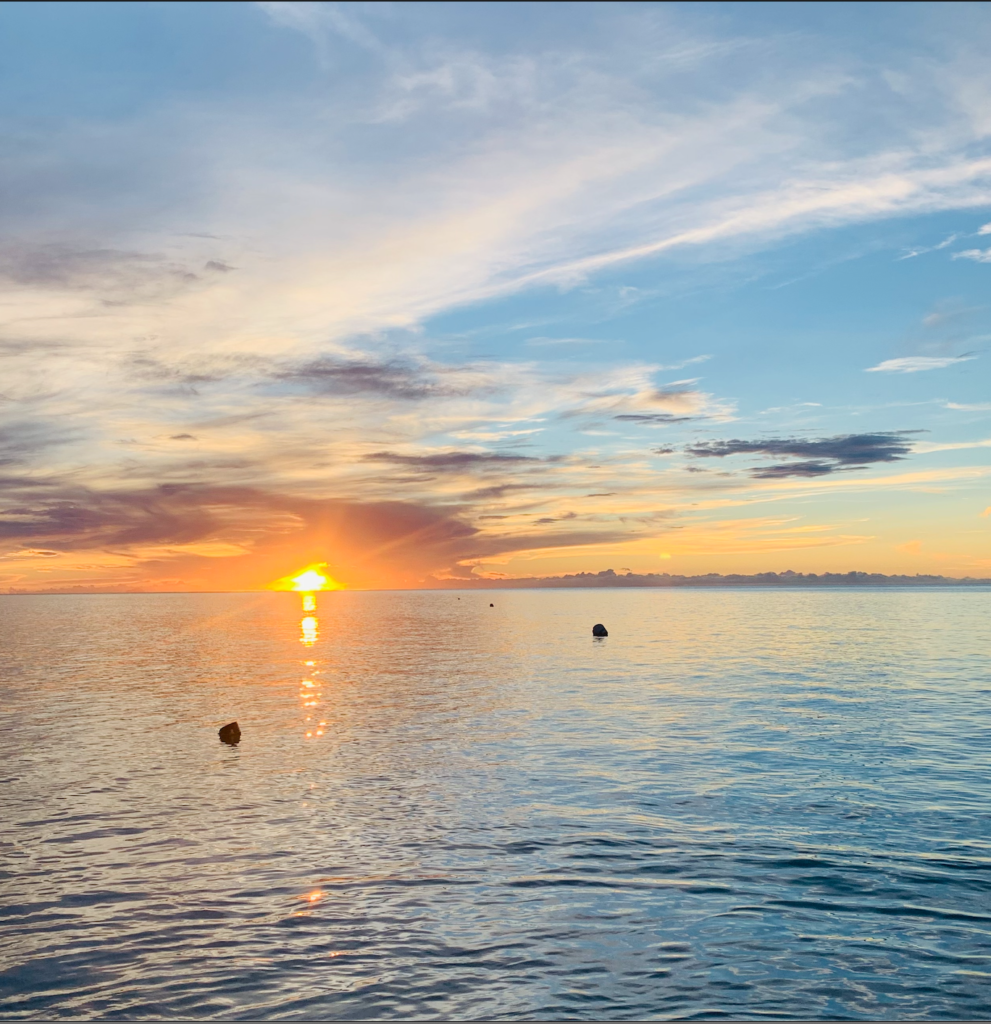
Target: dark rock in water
492,606
599,630
230,733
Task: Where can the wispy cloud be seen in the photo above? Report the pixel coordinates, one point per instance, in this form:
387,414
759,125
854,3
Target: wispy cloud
925,447
685,362
632,397
391,378
445,461
977,255
932,248
916,364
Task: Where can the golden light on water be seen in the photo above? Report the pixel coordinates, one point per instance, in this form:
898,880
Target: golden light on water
307,583
309,628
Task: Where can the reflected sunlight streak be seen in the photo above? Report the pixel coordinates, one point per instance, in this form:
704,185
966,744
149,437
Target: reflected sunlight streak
309,630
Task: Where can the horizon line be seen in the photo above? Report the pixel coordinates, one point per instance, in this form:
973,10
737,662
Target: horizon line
605,579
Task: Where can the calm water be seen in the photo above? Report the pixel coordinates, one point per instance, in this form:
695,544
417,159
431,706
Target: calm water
741,804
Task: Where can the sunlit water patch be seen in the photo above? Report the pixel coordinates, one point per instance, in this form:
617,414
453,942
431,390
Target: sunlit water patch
749,804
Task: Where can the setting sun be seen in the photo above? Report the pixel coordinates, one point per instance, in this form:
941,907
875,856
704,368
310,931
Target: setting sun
309,580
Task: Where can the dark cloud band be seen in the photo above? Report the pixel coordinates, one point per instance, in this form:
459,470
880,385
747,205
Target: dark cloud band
817,457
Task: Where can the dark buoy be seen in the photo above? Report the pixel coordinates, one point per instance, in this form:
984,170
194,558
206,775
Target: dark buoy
599,630
230,733
492,606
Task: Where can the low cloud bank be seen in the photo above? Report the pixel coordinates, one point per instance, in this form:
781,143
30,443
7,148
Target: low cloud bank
610,578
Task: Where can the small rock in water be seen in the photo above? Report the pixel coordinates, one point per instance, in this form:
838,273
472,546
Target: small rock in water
599,630
230,733
492,606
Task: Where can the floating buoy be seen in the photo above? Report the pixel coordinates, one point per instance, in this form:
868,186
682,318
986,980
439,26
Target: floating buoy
230,733
492,606
599,630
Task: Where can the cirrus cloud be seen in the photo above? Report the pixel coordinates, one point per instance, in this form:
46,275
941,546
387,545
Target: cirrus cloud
916,364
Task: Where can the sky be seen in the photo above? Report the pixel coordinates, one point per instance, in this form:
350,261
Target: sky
430,292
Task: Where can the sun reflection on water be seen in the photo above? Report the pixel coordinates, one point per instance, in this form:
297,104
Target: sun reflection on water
309,628
310,693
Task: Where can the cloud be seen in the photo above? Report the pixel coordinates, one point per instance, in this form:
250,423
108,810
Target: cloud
632,397
501,490
948,241
115,277
820,457
393,378
686,362
452,461
26,441
657,418
925,447
915,364
977,255
797,469
148,368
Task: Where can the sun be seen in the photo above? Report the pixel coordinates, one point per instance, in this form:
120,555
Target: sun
310,580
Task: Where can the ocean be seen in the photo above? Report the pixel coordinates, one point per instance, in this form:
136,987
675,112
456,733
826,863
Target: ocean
742,804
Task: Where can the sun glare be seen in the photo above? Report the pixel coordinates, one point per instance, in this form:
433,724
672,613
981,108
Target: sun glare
309,580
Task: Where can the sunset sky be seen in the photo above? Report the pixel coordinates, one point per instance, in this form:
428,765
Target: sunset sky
424,291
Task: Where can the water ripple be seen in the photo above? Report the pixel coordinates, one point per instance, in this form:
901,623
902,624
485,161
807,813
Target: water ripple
740,805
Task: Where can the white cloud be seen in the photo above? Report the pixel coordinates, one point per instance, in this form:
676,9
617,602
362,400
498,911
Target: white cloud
685,362
914,364
926,447
977,255
985,230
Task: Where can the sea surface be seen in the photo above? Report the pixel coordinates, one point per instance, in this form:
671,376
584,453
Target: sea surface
740,804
